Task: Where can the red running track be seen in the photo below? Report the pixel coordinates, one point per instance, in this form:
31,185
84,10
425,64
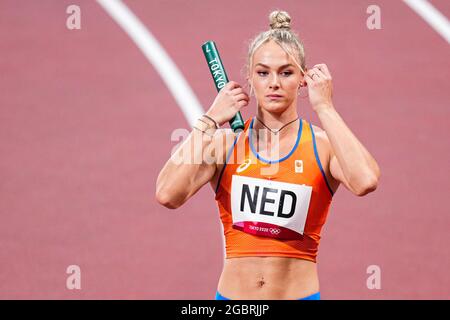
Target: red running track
85,124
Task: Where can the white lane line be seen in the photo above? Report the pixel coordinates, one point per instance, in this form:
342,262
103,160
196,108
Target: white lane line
157,56
431,15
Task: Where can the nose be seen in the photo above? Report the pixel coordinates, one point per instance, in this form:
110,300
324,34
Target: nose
274,81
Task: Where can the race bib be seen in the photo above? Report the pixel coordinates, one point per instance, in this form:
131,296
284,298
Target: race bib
269,208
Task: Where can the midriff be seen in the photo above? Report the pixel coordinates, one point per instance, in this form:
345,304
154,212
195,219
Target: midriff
268,278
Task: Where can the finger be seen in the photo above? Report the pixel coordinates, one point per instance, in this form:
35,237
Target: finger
308,79
316,74
242,103
320,73
242,96
323,67
233,84
312,75
236,91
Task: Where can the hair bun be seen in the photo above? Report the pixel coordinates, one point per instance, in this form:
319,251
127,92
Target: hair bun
280,20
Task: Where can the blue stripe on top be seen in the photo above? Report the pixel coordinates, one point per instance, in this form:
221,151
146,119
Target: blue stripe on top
299,133
318,160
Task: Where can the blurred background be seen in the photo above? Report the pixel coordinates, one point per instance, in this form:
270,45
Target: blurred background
89,99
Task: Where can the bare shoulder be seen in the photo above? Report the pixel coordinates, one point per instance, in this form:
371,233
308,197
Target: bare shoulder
325,151
320,134
222,133
223,140
323,145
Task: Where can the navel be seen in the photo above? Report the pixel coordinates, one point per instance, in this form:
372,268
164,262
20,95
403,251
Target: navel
261,282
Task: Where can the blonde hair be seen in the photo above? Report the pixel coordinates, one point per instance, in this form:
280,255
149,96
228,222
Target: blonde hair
280,32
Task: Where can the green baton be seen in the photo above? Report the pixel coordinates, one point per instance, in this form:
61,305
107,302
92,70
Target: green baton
220,78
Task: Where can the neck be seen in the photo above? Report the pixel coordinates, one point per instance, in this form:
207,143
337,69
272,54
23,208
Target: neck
275,122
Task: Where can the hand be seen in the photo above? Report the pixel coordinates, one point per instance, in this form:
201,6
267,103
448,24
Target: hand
230,99
320,87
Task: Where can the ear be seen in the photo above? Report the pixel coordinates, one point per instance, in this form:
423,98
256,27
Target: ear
302,80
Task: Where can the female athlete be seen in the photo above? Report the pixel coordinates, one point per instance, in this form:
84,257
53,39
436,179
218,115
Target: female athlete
274,181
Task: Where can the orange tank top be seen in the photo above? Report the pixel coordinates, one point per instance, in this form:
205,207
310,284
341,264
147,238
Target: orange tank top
273,208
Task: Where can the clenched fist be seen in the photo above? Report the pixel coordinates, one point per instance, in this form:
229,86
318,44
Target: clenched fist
230,99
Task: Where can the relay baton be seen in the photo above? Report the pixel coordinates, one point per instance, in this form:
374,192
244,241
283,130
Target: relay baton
220,78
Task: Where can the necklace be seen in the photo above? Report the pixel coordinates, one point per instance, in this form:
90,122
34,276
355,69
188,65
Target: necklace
276,131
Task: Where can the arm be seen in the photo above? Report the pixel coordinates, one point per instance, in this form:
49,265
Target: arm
188,169
194,162
350,162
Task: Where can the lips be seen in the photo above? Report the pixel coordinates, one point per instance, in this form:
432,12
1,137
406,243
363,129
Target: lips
274,96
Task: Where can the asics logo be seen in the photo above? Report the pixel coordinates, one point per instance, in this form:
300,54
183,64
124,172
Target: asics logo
244,165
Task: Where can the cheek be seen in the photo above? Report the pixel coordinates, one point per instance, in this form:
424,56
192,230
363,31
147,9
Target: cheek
293,85
259,85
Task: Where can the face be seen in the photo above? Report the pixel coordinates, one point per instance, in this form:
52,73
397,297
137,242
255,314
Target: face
273,71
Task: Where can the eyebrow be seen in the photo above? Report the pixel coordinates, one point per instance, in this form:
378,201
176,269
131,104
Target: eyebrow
281,67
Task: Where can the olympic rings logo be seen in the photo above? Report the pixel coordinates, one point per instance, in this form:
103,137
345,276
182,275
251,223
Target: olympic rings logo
274,231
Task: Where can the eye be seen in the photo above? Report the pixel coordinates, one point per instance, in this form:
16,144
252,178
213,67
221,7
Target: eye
263,73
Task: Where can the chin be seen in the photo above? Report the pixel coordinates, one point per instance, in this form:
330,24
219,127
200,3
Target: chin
275,107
